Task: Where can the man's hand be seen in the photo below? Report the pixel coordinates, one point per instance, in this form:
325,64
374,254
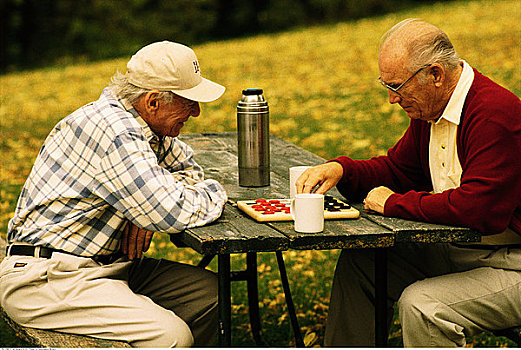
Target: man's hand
135,241
325,176
376,199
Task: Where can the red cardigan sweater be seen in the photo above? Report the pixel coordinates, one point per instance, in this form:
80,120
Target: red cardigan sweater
489,150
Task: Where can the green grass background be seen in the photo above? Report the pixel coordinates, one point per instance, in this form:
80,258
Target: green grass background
321,86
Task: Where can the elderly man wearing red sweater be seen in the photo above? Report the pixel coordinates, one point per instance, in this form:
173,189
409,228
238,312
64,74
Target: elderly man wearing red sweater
458,163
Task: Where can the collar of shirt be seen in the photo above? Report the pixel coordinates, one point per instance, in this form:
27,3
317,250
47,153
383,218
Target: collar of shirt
454,108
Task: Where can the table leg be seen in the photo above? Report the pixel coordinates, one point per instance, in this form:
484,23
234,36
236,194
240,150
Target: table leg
253,297
289,301
381,327
207,259
224,299
225,277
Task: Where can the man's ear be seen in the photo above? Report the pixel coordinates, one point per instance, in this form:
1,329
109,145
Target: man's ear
151,101
437,74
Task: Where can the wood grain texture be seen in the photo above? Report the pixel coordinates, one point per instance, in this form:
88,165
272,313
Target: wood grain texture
233,232
407,231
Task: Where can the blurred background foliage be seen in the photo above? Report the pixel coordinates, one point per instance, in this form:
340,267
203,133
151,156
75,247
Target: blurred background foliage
319,80
40,32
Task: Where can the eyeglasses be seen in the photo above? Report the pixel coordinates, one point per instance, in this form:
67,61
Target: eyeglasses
396,87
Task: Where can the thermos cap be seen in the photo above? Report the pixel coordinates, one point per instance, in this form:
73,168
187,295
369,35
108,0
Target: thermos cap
252,98
248,92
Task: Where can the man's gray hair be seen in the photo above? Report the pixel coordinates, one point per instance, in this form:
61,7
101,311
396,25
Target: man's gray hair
124,89
434,46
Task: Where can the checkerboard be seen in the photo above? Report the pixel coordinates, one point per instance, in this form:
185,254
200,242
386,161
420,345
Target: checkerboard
265,210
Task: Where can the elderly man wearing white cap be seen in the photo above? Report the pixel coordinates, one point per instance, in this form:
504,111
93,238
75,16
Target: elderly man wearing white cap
107,176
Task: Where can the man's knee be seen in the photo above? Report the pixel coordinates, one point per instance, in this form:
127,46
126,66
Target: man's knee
427,320
418,301
165,330
180,336
411,297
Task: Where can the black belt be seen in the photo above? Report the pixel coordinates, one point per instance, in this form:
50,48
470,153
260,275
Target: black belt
44,252
29,250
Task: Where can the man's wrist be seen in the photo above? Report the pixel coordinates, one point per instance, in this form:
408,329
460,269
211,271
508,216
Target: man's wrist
339,170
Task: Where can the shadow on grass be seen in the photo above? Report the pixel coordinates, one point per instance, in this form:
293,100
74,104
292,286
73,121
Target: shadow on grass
8,337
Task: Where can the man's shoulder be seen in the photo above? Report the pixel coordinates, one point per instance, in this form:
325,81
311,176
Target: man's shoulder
484,89
489,99
108,115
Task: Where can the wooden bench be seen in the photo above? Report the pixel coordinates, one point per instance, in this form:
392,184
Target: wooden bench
51,339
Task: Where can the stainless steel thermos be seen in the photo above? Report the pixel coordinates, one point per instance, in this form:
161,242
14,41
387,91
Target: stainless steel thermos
253,136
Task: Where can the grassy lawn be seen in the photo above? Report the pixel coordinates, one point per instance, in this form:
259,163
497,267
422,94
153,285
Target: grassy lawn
321,85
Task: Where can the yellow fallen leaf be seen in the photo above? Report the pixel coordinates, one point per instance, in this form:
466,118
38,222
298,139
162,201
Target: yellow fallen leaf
310,338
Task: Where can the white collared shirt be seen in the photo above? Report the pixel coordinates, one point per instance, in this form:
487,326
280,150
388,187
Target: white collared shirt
443,151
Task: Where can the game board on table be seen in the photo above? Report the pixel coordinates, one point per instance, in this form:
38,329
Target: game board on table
264,210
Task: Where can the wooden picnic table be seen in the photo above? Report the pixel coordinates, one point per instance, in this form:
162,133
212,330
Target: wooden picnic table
235,232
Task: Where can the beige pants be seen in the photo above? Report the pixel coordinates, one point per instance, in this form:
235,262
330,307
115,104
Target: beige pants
444,294
148,303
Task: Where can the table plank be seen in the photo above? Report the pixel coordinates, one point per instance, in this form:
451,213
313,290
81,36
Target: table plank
407,231
338,234
231,233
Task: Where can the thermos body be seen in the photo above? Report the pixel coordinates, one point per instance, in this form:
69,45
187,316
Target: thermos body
253,139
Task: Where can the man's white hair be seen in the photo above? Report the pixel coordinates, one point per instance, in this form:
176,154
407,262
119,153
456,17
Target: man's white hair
428,47
124,89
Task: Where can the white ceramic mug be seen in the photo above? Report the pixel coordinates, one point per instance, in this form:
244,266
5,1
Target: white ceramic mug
294,173
307,209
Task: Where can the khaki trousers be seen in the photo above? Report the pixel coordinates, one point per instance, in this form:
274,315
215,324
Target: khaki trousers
444,293
148,303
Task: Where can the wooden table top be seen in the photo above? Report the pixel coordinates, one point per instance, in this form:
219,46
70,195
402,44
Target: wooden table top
235,232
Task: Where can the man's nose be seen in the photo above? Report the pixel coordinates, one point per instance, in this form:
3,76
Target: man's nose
196,110
394,97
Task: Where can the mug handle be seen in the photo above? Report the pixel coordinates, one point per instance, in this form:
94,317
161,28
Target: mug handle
292,208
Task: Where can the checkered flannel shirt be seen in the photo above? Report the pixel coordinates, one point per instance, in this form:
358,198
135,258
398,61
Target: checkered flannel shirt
101,166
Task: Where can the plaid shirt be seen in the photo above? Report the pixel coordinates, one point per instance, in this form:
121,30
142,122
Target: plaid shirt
101,166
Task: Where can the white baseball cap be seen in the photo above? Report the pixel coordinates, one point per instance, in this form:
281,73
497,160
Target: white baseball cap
169,66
